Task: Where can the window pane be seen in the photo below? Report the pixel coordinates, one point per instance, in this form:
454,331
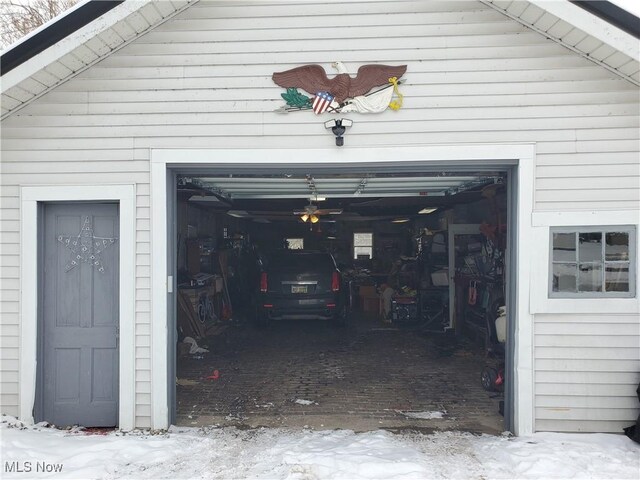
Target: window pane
564,247
564,277
295,243
616,277
592,262
617,246
362,239
590,277
590,247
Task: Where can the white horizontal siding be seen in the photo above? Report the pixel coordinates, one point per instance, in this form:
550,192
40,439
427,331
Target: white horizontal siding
587,369
9,351
562,425
203,80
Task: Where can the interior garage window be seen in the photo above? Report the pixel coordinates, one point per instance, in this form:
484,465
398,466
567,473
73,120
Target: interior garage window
592,262
295,243
363,245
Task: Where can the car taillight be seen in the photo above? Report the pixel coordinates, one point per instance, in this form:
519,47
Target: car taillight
335,282
263,282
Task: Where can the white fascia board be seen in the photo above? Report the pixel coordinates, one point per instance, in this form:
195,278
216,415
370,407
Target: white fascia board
592,25
44,26
70,43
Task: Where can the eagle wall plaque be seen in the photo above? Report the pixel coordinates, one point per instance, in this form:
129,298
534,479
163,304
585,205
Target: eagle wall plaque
342,93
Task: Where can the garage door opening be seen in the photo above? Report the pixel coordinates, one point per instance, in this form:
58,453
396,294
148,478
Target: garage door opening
358,300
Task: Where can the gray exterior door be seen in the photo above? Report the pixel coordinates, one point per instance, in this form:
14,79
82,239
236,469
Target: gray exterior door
79,315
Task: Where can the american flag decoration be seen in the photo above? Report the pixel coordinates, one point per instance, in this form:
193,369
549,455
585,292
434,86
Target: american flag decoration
321,102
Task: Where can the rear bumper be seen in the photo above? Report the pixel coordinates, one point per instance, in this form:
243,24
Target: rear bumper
300,308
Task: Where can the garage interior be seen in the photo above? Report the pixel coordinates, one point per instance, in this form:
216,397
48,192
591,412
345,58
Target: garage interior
422,259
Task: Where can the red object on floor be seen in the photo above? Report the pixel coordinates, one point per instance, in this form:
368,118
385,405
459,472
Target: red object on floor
214,376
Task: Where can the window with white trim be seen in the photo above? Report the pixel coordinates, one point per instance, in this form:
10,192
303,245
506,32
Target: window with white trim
363,245
590,262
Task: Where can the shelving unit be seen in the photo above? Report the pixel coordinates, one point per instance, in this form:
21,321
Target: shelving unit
478,281
433,293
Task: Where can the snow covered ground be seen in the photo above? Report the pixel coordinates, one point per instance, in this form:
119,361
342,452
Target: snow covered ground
229,453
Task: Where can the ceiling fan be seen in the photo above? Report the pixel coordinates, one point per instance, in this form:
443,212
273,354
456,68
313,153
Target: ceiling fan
311,213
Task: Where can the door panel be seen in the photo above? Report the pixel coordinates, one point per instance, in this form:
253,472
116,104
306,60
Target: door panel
104,375
79,345
67,371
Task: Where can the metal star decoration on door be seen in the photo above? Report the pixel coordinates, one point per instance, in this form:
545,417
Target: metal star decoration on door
86,247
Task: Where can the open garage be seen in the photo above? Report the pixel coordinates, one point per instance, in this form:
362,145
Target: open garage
133,120
416,337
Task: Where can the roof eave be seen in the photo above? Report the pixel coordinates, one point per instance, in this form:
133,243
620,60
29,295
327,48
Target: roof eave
592,25
69,43
45,26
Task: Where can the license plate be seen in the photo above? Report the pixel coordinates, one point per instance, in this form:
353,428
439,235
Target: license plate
298,289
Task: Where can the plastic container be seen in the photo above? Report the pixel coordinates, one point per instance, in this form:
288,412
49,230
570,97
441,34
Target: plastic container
501,325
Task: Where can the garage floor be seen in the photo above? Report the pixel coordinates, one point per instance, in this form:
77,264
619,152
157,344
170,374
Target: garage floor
365,377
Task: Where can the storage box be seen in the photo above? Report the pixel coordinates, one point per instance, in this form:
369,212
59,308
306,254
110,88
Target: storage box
440,278
371,304
367,291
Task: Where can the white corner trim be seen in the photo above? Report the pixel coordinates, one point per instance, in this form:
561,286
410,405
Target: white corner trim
592,25
70,43
159,314
524,409
30,196
542,223
521,154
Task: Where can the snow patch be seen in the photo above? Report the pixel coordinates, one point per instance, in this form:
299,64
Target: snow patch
423,415
295,454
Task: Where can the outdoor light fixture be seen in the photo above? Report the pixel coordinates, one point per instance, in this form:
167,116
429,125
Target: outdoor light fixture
338,127
427,210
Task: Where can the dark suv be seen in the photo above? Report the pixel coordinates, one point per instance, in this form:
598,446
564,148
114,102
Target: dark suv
300,285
